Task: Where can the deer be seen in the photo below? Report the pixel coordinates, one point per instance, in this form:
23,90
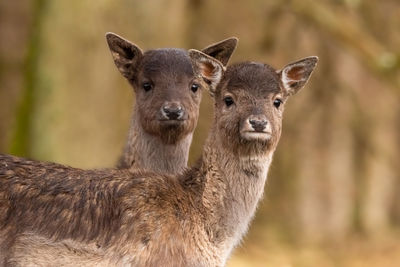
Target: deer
55,215
167,104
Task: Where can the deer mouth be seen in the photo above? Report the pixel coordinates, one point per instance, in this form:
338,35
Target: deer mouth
169,122
256,135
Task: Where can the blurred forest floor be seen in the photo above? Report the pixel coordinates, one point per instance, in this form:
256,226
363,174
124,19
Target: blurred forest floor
354,252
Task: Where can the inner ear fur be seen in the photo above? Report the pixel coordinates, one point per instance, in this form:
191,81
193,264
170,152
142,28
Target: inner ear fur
295,75
126,55
208,68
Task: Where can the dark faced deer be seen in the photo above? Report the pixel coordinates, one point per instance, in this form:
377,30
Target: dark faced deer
167,103
60,216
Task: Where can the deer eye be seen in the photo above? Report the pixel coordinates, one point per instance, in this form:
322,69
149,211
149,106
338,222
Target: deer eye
147,86
194,87
277,103
228,101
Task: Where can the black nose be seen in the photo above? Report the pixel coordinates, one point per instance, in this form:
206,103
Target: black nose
258,124
172,111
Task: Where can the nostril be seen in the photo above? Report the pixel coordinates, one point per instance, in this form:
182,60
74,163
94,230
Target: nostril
173,113
258,122
166,110
258,125
178,109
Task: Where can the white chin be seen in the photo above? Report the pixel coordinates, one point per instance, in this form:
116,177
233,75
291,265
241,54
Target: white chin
256,136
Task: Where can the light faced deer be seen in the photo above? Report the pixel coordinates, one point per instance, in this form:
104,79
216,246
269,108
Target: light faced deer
56,215
167,103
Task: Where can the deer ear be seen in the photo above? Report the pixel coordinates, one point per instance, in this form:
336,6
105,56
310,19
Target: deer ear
125,54
222,50
295,75
208,68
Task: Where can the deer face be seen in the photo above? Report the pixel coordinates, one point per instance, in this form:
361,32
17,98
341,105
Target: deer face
167,92
249,101
249,106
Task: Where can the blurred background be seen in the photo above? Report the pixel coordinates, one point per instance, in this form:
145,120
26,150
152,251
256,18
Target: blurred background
333,193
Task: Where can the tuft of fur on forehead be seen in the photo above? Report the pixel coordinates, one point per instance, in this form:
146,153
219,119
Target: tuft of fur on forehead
259,77
166,60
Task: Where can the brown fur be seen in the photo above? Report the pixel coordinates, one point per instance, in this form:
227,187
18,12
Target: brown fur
53,215
156,142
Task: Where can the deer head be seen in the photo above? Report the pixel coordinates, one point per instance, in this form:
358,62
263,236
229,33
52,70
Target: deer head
249,99
167,94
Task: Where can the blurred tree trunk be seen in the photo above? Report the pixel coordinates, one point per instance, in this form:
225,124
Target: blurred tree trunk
17,28
382,165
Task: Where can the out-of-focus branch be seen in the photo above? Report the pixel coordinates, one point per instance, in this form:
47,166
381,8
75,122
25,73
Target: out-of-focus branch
347,30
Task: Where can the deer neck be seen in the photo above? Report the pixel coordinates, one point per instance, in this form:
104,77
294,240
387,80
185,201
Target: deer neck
148,152
233,186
